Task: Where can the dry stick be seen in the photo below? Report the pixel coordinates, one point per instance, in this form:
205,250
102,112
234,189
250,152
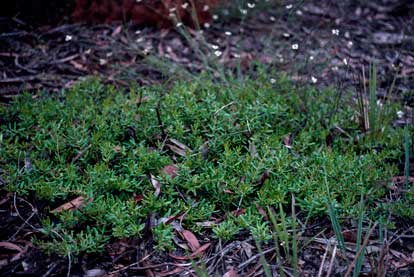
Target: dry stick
65,59
137,263
226,249
287,272
323,260
54,265
222,108
26,221
382,268
157,109
331,262
364,244
402,235
80,153
38,230
242,265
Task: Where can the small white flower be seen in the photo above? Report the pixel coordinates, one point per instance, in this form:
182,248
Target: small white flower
179,24
205,8
314,79
206,25
215,17
400,114
272,18
68,38
185,5
218,53
335,32
251,5
137,32
311,58
295,46
350,44
236,55
299,12
286,35
272,80
288,7
139,40
243,11
227,33
379,103
345,61
173,9
215,47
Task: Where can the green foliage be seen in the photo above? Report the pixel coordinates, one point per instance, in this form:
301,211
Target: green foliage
99,143
226,230
163,236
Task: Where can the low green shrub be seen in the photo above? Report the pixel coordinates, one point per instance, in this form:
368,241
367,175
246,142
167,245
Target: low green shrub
243,146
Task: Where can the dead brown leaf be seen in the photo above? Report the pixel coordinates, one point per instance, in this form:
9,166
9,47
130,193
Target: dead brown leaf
191,240
170,170
173,272
231,273
253,150
262,212
11,246
6,198
178,147
288,141
72,205
400,180
204,149
206,224
78,66
117,31
263,178
138,198
195,254
200,250
349,235
238,212
156,184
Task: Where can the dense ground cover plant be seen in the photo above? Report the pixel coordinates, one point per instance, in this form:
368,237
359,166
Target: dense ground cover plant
233,149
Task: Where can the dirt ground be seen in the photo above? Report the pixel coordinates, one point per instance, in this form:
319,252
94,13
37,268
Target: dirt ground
324,43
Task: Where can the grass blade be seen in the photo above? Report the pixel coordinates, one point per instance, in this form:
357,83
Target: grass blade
332,215
360,259
407,156
275,234
295,260
373,98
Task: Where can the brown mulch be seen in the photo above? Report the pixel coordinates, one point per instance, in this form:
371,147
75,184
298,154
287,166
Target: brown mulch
335,42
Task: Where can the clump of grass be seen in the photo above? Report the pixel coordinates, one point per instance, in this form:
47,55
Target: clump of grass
108,146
